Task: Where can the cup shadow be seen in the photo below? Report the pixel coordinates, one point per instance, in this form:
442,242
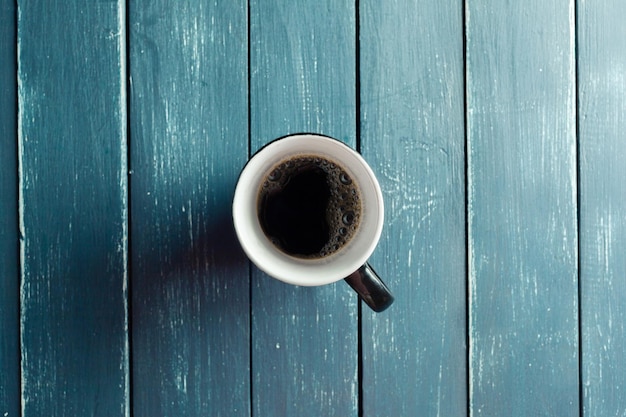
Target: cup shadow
197,266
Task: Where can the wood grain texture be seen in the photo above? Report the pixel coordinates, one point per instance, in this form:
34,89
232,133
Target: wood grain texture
522,208
412,133
304,339
9,242
602,139
212,336
189,137
72,145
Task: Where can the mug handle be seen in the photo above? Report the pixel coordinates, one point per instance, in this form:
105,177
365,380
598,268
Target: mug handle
371,289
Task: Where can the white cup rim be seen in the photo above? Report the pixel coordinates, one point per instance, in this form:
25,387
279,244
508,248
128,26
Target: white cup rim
289,269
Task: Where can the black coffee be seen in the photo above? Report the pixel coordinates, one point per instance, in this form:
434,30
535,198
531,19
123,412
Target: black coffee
308,206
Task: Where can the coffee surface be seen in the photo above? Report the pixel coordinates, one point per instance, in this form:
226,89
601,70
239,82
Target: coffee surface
308,206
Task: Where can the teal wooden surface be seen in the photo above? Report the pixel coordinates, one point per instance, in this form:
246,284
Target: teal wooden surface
73,212
303,79
522,209
9,242
602,126
496,130
189,138
412,132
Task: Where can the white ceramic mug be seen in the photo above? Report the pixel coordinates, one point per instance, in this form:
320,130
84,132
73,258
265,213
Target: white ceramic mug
349,262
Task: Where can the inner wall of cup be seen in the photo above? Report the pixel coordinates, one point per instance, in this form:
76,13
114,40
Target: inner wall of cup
310,271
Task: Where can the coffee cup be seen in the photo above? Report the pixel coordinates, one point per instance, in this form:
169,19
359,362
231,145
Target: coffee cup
309,211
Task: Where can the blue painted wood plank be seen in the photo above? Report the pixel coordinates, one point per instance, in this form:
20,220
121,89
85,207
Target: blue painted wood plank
9,242
304,340
189,138
412,132
72,146
522,208
602,138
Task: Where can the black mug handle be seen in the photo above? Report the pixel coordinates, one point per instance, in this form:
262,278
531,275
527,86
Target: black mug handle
370,288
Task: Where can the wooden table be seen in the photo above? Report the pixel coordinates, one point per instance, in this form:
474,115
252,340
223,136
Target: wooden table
497,130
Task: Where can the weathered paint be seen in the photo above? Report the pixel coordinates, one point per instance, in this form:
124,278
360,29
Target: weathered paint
200,344
412,132
304,340
9,242
189,137
602,139
73,213
522,208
